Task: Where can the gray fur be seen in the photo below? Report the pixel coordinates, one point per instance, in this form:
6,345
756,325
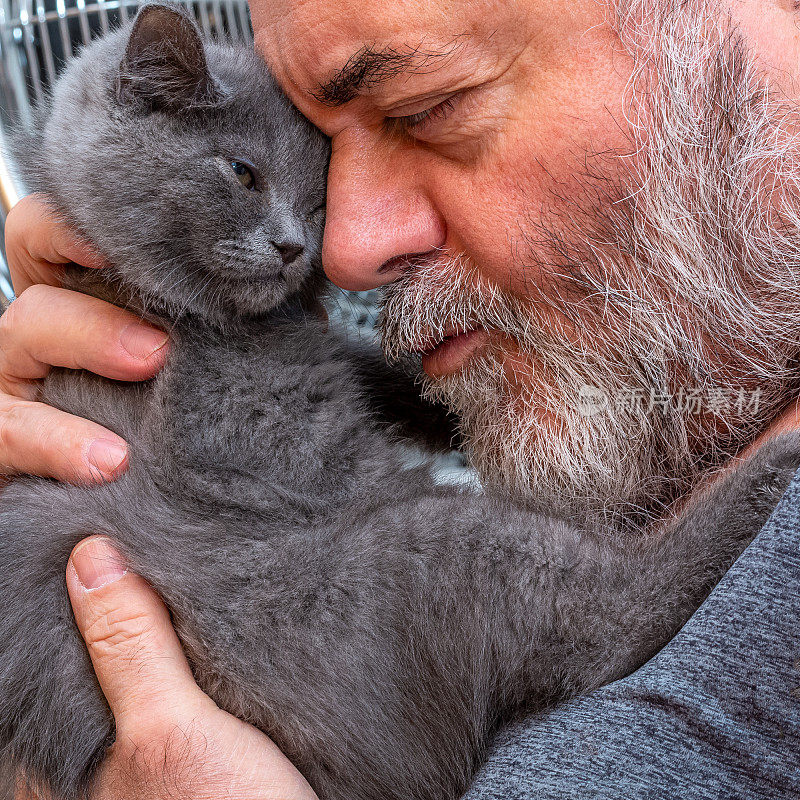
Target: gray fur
375,626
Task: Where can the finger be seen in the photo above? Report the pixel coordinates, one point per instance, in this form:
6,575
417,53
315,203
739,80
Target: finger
36,439
135,652
48,326
37,242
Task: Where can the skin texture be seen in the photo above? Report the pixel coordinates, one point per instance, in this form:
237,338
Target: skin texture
34,438
500,157
545,82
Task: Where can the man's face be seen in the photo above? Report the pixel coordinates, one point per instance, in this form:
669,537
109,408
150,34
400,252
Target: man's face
487,163
464,119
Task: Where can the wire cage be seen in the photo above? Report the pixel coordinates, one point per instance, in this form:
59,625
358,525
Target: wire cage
38,37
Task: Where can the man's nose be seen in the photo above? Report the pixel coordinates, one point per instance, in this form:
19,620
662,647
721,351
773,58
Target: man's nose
377,216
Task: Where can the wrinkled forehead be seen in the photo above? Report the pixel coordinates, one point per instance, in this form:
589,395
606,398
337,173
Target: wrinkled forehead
307,42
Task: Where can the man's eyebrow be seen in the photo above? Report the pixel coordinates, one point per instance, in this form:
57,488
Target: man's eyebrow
370,67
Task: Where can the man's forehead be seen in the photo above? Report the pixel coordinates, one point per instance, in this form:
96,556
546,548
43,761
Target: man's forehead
309,43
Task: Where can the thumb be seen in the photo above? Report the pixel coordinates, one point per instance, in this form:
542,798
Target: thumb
135,652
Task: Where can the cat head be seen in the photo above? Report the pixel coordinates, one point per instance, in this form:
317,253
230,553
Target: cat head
187,167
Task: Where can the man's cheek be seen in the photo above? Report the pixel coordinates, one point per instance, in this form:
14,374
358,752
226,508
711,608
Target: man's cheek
503,215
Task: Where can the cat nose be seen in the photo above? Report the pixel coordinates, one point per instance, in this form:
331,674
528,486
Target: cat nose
288,250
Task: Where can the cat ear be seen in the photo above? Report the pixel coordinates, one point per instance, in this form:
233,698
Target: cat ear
164,66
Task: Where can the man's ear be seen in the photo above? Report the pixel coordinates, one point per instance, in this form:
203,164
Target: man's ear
164,66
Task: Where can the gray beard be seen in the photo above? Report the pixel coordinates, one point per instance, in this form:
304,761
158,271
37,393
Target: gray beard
666,328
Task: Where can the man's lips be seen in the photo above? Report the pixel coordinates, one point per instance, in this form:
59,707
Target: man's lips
450,354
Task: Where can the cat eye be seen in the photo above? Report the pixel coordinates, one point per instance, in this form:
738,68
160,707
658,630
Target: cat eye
245,173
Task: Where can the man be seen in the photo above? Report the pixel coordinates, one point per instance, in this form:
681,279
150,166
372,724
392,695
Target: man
585,216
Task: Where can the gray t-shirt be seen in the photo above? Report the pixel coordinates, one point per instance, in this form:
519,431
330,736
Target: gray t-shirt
715,715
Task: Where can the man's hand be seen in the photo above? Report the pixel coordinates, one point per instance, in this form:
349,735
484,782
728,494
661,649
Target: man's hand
49,326
172,740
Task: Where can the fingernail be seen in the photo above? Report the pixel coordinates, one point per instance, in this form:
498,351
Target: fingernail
142,341
96,563
107,455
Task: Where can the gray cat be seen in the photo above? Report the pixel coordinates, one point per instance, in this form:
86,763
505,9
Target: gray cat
377,627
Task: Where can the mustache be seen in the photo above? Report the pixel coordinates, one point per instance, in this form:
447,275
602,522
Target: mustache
441,298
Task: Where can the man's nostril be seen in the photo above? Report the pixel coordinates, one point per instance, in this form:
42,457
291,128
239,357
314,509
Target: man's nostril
289,250
405,262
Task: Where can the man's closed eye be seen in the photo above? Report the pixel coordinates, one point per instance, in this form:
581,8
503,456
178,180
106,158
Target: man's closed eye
420,122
